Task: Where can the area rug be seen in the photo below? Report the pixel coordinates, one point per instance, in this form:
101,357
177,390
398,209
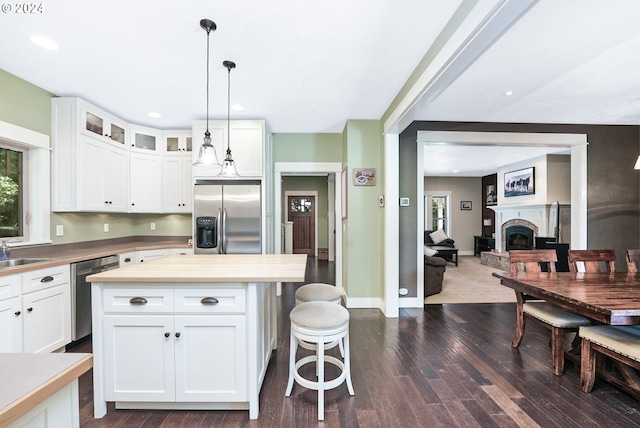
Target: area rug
471,282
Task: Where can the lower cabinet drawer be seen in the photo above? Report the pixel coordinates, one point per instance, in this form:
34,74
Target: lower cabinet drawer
137,300
221,301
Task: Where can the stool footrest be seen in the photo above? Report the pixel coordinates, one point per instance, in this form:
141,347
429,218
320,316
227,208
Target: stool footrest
311,384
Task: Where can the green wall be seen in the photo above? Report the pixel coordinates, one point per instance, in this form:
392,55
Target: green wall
307,147
24,104
363,269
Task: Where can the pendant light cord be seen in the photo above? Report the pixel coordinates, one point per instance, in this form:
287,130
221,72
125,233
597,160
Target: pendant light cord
229,110
208,32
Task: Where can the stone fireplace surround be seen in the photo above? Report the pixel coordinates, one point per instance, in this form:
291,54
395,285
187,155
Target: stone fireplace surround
535,217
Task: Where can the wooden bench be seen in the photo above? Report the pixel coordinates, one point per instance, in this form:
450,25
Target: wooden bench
622,344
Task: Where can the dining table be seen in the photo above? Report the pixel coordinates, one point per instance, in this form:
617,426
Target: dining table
606,298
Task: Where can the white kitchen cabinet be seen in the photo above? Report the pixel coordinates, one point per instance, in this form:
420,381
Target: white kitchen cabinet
145,183
128,258
101,125
177,184
146,255
89,169
46,309
177,142
47,319
247,146
145,139
186,350
104,180
150,374
61,409
11,325
182,251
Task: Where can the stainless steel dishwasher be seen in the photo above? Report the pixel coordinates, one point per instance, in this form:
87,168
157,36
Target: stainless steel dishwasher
81,292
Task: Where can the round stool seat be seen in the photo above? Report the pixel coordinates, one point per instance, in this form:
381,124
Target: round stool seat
318,292
319,315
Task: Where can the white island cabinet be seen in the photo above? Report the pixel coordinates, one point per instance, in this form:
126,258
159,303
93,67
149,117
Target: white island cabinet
187,331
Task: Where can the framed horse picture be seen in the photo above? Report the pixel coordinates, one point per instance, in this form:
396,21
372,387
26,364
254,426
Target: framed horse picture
519,183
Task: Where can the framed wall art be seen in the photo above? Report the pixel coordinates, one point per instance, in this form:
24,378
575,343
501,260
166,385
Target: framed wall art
519,183
465,205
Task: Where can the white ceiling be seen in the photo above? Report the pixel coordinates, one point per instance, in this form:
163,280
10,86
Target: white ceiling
307,66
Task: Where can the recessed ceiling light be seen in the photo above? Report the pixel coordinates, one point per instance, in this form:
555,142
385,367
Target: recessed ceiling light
509,93
237,107
154,115
44,42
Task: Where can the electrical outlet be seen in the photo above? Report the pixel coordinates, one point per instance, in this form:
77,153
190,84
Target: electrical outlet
381,201
106,227
59,230
153,226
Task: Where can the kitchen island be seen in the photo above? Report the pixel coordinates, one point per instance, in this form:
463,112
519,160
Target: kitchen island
187,331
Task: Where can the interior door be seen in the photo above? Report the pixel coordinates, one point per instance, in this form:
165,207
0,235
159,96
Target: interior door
301,211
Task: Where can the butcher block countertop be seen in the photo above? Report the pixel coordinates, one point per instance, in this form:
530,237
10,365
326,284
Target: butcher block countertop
211,268
29,379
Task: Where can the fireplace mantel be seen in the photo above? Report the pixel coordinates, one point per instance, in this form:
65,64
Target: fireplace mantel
537,214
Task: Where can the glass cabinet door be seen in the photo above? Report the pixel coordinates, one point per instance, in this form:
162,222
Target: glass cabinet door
94,124
144,141
117,133
172,144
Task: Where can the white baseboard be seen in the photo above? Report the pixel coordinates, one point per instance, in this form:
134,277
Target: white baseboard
365,303
410,302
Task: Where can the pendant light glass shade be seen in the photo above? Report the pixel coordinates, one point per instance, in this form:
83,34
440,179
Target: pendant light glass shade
637,166
207,155
228,165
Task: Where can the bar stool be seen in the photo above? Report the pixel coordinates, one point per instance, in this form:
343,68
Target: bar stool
319,292
319,323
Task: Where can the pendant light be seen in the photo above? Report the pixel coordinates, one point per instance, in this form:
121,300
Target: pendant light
207,155
228,165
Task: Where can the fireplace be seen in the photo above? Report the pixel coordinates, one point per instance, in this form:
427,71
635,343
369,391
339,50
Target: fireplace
518,237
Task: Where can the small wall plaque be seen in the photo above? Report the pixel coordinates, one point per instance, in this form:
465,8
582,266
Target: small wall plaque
364,176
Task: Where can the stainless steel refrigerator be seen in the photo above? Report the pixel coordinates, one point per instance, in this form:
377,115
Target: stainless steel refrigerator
227,217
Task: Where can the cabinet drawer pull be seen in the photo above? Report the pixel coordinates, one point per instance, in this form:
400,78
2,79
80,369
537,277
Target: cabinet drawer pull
138,301
167,334
127,260
47,278
209,301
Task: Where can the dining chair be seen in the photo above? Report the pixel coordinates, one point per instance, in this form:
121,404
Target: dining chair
593,260
558,320
633,257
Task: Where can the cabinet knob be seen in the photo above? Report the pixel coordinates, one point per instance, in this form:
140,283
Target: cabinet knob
17,313
29,309
209,301
177,334
167,334
138,301
132,204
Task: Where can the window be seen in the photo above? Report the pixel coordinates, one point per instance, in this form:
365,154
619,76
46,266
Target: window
436,211
25,201
11,193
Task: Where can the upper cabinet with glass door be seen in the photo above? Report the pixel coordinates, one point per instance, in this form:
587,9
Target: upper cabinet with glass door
100,124
177,142
145,140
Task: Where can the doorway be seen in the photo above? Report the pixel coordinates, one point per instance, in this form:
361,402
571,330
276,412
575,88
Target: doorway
301,212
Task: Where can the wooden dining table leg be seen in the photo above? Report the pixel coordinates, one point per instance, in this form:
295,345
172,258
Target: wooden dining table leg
520,321
587,366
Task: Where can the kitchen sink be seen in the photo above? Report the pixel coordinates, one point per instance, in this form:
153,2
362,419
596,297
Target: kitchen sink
20,262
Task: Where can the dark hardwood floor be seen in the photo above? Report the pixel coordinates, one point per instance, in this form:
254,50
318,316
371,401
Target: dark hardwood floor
444,366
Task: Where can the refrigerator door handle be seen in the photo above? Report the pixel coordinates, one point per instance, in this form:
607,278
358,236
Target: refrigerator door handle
224,230
220,232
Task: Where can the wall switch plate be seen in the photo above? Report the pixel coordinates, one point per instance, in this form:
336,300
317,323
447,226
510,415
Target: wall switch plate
153,226
404,202
59,230
381,201
106,227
